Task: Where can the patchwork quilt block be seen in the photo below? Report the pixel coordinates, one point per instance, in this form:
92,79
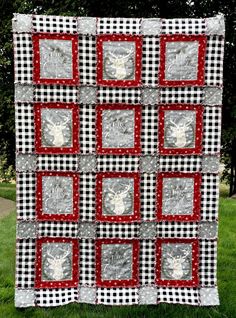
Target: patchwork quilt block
118,124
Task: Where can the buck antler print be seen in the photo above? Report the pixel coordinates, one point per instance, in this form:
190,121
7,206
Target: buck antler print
56,264
56,131
175,265
117,199
179,130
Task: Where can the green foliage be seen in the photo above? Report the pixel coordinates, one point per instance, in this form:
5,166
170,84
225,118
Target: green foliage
118,8
7,172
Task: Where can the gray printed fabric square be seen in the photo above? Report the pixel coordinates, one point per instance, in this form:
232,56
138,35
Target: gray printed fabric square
24,93
118,196
22,23
57,195
26,230
212,96
87,25
119,60
56,127
148,164
151,26
210,164
55,59
118,128
56,261
177,196
25,162
150,96
87,163
181,60
116,262
176,262
180,128
87,95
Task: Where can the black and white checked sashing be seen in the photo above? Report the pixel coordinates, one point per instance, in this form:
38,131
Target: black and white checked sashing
26,181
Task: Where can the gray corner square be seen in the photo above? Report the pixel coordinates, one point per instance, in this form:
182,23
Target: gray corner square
148,164
208,230
26,230
212,96
150,96
148,230
87,230
147,295
87,95
209,296
87,25
87,163
26,162
215,25
24,93
151,26
87,295
24,298
210,164
22,23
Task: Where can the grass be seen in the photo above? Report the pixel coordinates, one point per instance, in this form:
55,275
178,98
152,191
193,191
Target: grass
8,191
226,279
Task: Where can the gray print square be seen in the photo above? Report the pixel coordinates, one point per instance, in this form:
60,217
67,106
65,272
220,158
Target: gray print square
87,25
24,93
87,163
25,162
117,261
87,95
176,262
150,96
180,127
55,59
56,127
118,196
181,60
151,26
212,96
118,128
57,195
177,196
56,261
118,60
148,164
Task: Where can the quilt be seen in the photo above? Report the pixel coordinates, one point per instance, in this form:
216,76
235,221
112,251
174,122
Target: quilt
118,124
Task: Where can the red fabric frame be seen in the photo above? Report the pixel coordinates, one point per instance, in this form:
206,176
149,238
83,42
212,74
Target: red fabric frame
75,129
117,283
201,59
136,150
136,205
195,264
198,131
36,59
38,264
138,59
39,198
196,197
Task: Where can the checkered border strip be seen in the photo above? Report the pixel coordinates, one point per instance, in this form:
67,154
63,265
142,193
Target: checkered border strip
209,197
25,200
87,60
25,263
183,26
113,95
117,296
181,95
55,93
87,128
150,61
118,25
87,275
149,130
117,163
178,295
57,229
116,230
23,57
147,262
57,162
24,118
177,229
54,24
148,196
180,163
207,262
55,297
87,196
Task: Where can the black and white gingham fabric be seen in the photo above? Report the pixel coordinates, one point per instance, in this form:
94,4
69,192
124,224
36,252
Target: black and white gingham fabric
55,93
87,60
149,130
207,262
148,196
24,117
87,196
150,61
118,25
25,201
181,95
87,128
180,163
57,162
87,262
55,297
117,296
212,129
178,295
108,95
209,197
54,24
183,26
117,163
177,229
23,60
57,229
147,262
110,230
25,263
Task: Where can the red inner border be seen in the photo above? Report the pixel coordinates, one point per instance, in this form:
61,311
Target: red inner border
39,198
136,150
138,59
75,129
196,197
201,59
198,131
36,59
195,264
38,264
136,204
117,283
